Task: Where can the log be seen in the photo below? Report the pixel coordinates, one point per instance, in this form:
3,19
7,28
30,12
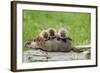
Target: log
83,46
42,56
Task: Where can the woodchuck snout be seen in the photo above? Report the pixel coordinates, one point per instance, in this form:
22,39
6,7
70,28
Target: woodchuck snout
52,41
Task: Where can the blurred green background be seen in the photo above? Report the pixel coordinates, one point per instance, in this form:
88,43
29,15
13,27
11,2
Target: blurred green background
78,24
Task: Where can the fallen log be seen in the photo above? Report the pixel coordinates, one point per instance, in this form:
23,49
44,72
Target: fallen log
42,56
83,46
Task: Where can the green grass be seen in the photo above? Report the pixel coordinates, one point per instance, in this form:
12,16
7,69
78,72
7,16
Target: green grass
78,24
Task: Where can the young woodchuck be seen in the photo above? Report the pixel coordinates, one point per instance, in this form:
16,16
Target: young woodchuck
63,35
44,35
51,33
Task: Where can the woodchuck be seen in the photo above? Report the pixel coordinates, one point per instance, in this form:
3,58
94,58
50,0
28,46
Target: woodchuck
53,45
44,35
64,44
63,35
51,33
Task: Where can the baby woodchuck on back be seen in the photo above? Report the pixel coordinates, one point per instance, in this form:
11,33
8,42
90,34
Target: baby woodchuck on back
51,33
63,35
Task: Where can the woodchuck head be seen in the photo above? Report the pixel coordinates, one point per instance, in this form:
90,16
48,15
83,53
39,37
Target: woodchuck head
44,35
63,35
51,33
36,43
39,41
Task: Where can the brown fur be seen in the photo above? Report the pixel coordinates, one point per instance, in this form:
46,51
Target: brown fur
44,35
53,45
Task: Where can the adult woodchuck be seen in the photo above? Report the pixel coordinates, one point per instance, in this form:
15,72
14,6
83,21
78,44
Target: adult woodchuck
53,45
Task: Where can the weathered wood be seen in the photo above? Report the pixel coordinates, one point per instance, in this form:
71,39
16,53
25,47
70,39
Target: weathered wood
39,56
83,46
